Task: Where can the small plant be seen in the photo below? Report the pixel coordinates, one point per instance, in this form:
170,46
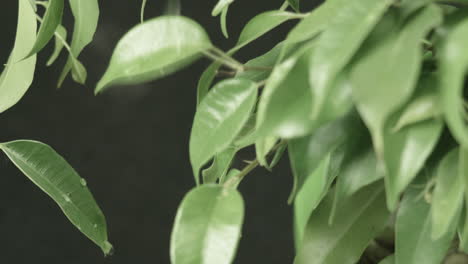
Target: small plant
366,96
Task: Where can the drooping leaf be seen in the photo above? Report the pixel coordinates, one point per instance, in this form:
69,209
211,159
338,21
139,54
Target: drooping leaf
308,198
154,49
385,76
424,106
261,24
50,172
277,156
79,73
447,199
351,24
220,166
414,244
50,22
206,79
453,63
58,45
362,218
86,14
18,73
223,21
207,226
263,146
219,118
406,153
294,4
307,152
220,6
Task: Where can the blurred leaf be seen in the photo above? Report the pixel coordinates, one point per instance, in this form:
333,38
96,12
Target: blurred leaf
154,49
307,199
405,155
86,14
409,7
260,65
207,226
294,4
58,46
263,146
362,218
453,62
447,199
50,22
220,6
219,118
50,172
350,24
388,260
424,105
220,166
224,23
463,227
307,152
277,156
261,24
385,75
414,244
18,73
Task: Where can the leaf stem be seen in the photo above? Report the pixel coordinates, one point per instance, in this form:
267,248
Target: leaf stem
228,63
142,11
284,6
227,57
250,167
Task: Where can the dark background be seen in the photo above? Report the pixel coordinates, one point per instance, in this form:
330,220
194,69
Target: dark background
131,145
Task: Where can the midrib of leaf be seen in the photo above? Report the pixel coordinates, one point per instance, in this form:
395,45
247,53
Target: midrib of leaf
13,153
358,215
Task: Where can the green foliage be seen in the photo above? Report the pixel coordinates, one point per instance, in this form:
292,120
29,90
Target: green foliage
359,93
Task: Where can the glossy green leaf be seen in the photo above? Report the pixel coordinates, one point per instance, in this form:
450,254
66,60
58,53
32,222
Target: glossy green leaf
58,45
294,4
50,22
424,106
405,155
50,172
385,76
220,6
388,260
350,24
263,147
220,166
447,199
261,24
207,226
206,79
86,14
18,73
363,217
260,66
219,118
307,152
414,244
310,195
453,64
154,49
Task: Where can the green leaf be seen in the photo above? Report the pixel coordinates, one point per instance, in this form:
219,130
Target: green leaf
307,199
52,19
263,146
79,73
307,152
385,75
220,166
277,156
220,6
86,14
350,24
207,226
406,154
230,178
260,65
453,63
154,49
50,172
294,4
363,217
414,244
206,79
388,260
18,73
59,44
424,106
261,24
409,7
463,173
447,199
223,19
219,118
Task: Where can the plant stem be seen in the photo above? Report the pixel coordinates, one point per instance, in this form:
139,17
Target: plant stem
284,6
225,56
247,169
228,63
142,11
